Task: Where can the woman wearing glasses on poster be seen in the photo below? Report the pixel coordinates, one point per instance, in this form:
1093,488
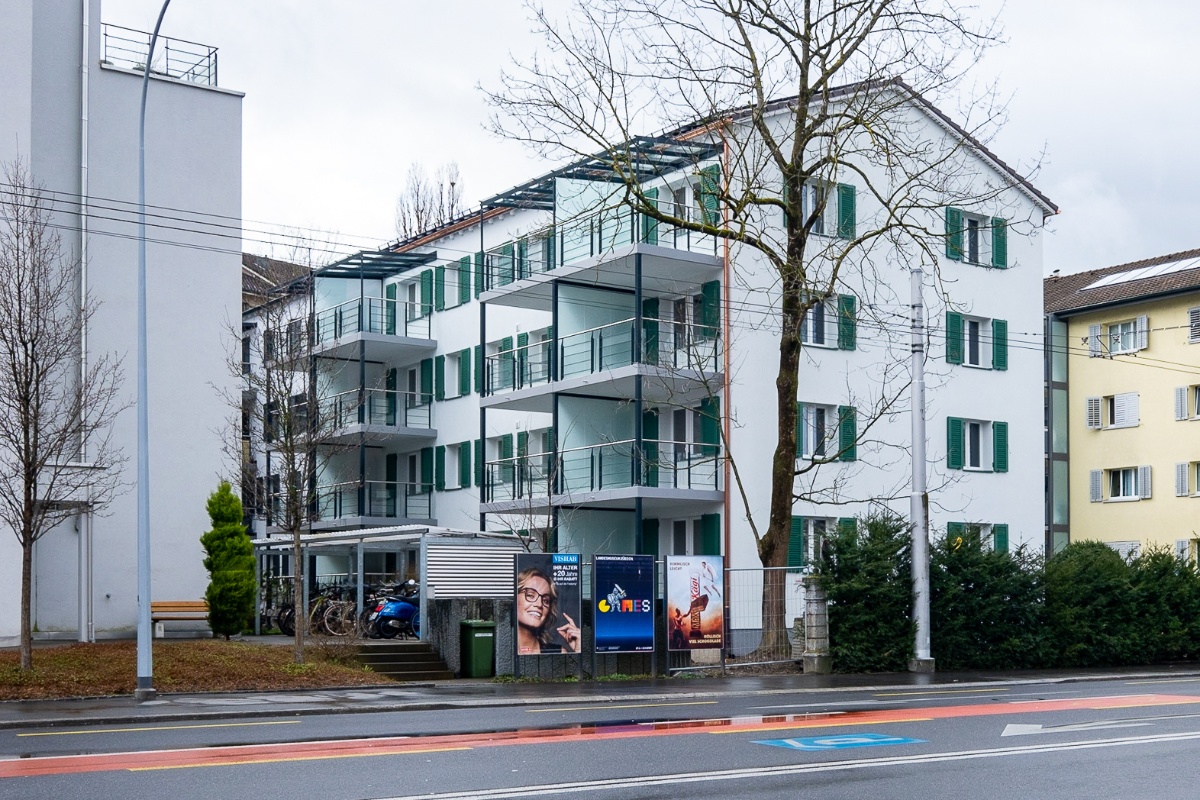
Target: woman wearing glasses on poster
537,616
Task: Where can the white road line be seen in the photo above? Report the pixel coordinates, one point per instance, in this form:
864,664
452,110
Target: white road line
795,769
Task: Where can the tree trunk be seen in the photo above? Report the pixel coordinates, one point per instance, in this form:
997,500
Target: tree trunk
26,595
301,619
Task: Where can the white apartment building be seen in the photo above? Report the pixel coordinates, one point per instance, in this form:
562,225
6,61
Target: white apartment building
69,109
570,368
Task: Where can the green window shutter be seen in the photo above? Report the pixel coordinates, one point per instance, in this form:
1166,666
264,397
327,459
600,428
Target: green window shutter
426,293
439,378
522,359
710,419
650,330
999,344
506,362
847,211
710,307
439,288
1000,447
710,535
479,281
795,553
426,469
522,444
955,530
464,464
649,224
650,446
710,187
390,386
522,258
1000,538
954,443
426,380
552,544
649,541
389,309
999,242
847,526
504,273
954,338
799,430
548,440
954,234
548,249
478,369
847,322
506,453
464,371
464,280
439,468
479,461
847,433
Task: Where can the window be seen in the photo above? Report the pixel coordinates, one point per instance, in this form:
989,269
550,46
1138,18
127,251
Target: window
992,536
976,239
976,341
1116,338
1187,402
1121,483
1114,411
831,207
806,541
979,445
826,432
1187,475
1122,337
831,323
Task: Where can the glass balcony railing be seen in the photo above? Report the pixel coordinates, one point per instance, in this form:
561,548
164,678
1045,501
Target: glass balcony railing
588,236
373,315
611,465
384,499
378,407
673,345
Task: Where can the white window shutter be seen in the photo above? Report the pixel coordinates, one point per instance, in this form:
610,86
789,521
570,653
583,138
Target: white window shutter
1194,325
1181,408
1132,409
1119,410
1144,482
1181,480
1093,413
1096,479
1093,341
1143,332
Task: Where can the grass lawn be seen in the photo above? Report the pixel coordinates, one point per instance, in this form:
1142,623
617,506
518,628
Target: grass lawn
190,665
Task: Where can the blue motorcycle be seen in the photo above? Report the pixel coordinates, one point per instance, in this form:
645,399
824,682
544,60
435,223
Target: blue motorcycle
397,614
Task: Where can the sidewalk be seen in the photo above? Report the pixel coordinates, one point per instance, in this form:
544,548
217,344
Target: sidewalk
476,694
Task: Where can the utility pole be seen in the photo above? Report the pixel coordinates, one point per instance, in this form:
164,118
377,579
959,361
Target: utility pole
919,501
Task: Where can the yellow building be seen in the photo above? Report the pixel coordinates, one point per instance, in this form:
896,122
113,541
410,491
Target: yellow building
1123,413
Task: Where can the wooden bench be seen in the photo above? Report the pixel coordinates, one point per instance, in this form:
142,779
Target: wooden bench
176,611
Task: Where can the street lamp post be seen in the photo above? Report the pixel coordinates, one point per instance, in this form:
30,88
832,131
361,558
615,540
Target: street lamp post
145,663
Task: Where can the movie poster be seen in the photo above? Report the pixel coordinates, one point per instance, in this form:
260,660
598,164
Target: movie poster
624,589
547,603
695,606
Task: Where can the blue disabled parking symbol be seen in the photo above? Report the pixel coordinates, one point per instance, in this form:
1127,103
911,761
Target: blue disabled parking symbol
843,741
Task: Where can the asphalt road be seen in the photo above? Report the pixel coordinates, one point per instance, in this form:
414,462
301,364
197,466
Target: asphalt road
1116,739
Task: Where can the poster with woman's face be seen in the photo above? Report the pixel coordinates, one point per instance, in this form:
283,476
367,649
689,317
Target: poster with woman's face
547,603
695,607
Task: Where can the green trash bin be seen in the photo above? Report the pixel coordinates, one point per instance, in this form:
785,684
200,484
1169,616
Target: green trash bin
478,649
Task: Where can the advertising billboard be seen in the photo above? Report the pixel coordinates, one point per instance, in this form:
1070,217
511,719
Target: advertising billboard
547,603
695,613
624,596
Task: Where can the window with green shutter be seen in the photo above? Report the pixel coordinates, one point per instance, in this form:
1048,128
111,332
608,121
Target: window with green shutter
1000,447
1000,538
480,459
999,344
710,309
439,378
710,535
464,464
799,430
464,371
522,258
426,470
999,242
954,338
847,211
479,274
649,224
504,265
391,394
847,433
710,431
648,544
507,363
548,250
954,234
796,551
479,386
954,443
439,468
426,293
439,288
650,330
426,384
506,454
847,323
389,309
464,280
955,531
650,447
710,187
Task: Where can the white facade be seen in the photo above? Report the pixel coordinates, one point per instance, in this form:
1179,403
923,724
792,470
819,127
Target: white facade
72,124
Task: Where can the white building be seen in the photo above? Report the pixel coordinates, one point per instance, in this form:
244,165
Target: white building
591,369
69,108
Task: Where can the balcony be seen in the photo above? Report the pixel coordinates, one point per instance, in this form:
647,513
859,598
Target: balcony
666,474
391,331
378,414
350,504
679,358
127,48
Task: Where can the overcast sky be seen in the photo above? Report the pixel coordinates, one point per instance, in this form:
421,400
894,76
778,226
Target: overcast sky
341,97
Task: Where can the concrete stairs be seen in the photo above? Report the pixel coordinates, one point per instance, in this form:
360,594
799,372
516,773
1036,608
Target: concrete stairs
404,660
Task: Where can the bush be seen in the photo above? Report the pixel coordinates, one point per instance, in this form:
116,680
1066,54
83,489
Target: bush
229,560
1091,608
1167,593
867,573
986,607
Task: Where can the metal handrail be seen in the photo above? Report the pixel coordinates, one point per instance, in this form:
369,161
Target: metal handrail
193,61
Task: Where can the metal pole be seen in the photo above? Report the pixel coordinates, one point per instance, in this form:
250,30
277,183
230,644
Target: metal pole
145,663
919,500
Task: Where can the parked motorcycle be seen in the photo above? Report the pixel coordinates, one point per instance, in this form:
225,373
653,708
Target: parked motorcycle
397,614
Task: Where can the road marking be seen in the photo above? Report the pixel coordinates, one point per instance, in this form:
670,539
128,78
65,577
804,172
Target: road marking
942,691
1163,680
795,769
1026,730
845,741
163,728
247,761
631,705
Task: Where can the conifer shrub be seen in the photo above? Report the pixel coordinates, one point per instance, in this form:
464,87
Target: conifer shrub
1167,595
1092,617
229,559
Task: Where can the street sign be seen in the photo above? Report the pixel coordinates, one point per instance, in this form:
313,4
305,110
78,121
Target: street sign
844,741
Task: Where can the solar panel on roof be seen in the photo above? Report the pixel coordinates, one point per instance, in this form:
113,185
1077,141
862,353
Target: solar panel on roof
1142,273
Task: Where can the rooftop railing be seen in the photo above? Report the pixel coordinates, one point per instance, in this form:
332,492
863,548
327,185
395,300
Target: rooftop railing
174,58
373,315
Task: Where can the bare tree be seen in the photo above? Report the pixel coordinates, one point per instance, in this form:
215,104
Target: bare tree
428,203
56,414
796,96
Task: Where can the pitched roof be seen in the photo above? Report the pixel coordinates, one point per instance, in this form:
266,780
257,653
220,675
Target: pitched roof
261,274
1078,292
